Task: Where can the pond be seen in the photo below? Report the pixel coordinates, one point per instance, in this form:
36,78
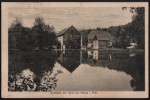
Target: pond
74,70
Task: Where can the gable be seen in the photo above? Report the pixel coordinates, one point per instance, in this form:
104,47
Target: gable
69,30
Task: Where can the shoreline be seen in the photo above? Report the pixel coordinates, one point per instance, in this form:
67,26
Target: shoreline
118,50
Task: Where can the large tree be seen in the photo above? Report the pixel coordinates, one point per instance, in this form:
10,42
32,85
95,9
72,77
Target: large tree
19,36
43,35
131,32
137,27
40,35
14,32
25,39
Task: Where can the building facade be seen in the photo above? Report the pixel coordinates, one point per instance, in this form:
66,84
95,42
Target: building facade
99,39
70,38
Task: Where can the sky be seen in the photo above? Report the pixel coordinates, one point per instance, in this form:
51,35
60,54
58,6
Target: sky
80,17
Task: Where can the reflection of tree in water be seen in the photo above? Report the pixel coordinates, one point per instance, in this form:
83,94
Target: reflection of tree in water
133,66
35,60
20,82
138,81
39,72
42,63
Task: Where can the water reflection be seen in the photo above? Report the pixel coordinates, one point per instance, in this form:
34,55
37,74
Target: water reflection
86,78
70,60
121,62
75,70
32,71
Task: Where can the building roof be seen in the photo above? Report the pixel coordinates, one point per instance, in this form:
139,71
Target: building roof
65,30
61,32
101,35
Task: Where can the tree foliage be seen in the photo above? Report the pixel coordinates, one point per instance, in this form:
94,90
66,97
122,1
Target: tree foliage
138,26
15,32
131,32
40,36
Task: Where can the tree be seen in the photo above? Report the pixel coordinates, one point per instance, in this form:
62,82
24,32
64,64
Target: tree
14,33
137,28
43,35
19,36
133,31
25,39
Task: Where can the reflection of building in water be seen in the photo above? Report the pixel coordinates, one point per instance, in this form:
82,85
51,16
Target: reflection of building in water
75,58
70,60
64,52
121,62
89,54
95,54
98,55
113,61
80,57
110,56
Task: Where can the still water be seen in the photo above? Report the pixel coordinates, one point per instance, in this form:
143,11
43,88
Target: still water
75,71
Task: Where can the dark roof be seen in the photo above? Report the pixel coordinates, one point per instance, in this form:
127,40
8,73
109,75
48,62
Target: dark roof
65,30
101,35
62,32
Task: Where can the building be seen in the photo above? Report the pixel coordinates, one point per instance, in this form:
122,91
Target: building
70,38
84,38
99,39
95,43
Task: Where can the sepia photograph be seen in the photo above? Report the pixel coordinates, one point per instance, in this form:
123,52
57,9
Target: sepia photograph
94,50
